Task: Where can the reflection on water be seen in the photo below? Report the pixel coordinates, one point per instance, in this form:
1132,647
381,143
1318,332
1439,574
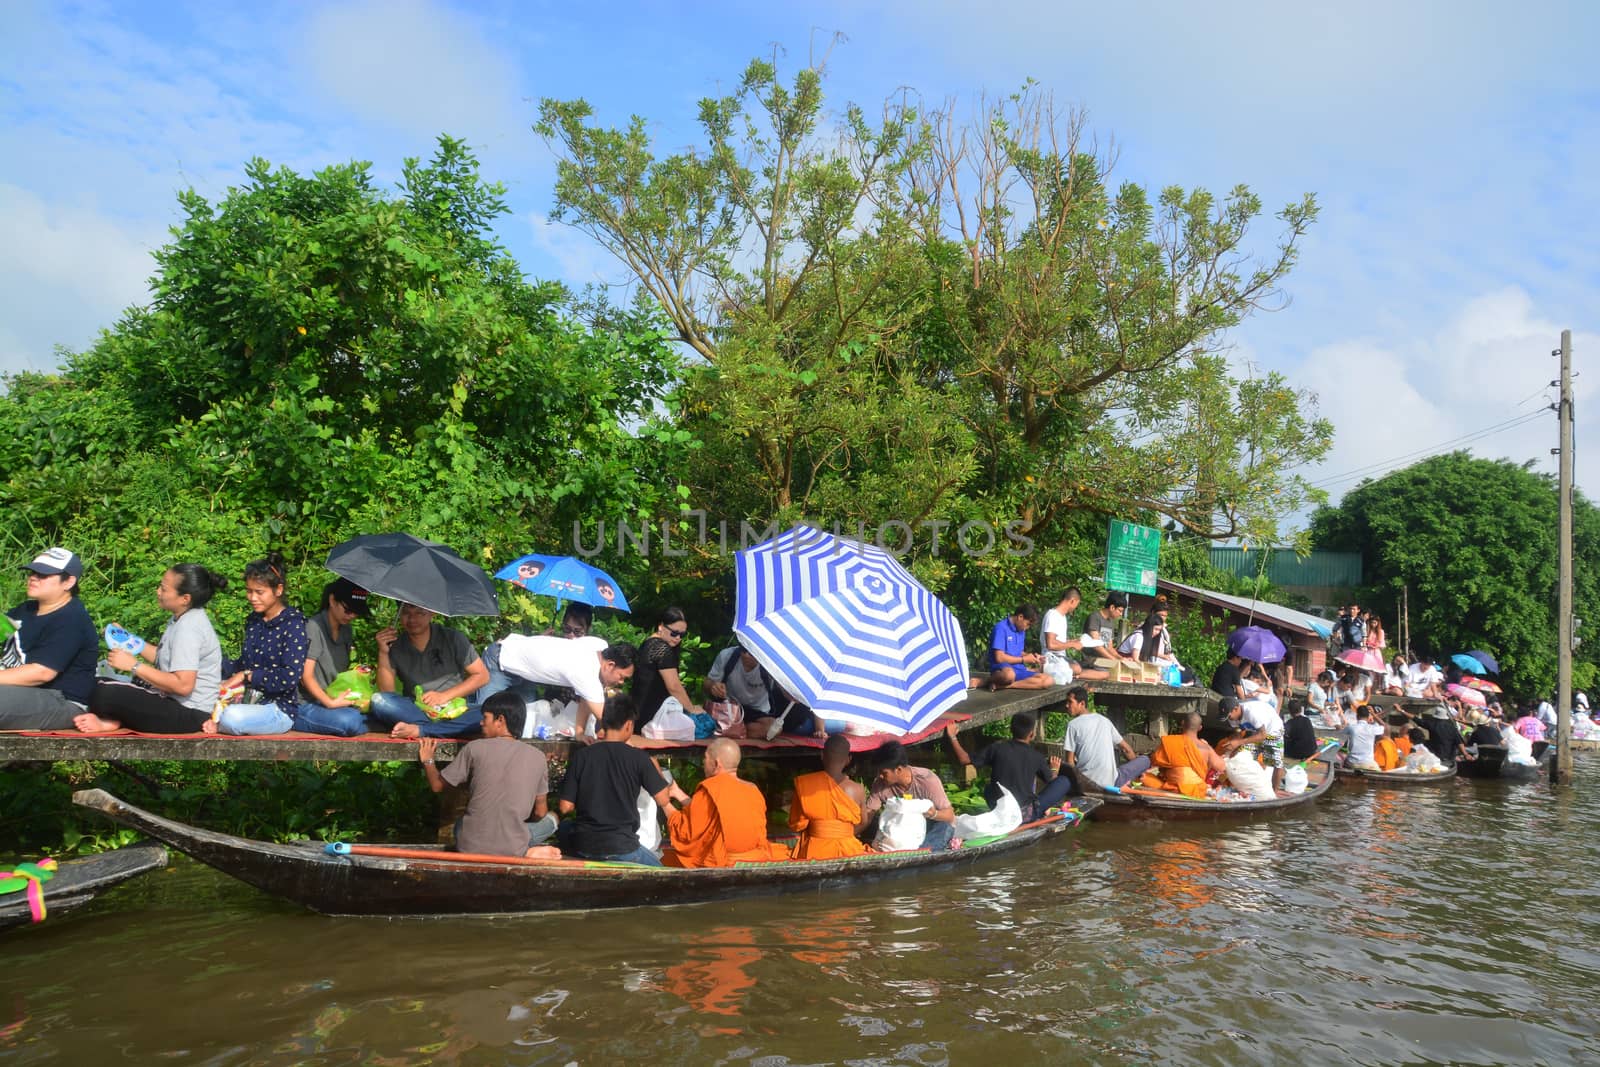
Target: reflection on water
1448,924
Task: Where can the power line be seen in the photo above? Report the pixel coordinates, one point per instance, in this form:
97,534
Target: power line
1487,431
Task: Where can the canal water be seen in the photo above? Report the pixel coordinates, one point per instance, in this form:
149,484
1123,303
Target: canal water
1448,924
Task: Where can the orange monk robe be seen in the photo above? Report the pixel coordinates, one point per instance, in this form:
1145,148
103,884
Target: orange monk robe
1180,767
725,823
1386,754
826,818
1403,743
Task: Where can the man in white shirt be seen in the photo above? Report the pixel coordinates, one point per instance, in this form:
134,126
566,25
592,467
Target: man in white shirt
1547,715
1262,729
1423,680
1091,743
1053,635
586,665
1359,739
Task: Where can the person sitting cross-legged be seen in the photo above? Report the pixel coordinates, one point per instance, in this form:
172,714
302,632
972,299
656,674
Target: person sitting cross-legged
827,807
1010,665
506,782
602,788
1017,766
726,819
1183,763
441,662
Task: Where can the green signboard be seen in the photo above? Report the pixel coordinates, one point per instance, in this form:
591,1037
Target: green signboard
1132,552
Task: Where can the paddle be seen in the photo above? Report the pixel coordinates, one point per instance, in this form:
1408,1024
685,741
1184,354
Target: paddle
340,848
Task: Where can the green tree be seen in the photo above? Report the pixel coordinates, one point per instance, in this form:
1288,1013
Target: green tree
1474,542
323,358
905,316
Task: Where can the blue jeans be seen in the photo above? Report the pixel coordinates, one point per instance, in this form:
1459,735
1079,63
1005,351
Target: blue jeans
391,708
540,831
253,719
1060,788
336,722
640,854
499,680
938,836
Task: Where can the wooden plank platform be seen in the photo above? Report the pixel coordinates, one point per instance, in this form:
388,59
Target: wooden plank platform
979,709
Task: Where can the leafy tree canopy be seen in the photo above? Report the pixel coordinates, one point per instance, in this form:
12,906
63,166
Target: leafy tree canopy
1474,541
321,358
904,314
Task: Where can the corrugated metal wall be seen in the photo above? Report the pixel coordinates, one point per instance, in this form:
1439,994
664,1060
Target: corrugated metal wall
1284,568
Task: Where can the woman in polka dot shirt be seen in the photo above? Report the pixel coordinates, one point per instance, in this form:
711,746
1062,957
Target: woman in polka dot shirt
273,656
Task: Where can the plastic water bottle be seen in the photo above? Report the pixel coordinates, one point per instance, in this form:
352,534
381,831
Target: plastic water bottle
542,732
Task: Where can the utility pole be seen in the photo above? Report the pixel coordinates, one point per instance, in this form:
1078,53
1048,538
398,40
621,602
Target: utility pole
1561,770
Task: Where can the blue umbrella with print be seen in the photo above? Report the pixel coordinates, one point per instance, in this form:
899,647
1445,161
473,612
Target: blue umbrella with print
846,629
565,578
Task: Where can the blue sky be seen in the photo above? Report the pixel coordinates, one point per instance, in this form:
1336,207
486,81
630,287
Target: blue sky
1453,147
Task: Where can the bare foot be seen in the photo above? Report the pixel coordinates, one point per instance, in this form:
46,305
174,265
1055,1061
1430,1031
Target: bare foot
542,852
94,724
955,843
209,726
408,731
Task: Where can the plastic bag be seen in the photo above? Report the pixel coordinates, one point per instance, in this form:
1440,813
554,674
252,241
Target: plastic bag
649,821
356,684
726,712
1059,670
902,825
450,709
1295,780
1249,777
1003,818
704,726
670,723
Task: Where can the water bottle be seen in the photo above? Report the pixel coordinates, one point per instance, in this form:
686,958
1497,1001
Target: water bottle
542,732
118,638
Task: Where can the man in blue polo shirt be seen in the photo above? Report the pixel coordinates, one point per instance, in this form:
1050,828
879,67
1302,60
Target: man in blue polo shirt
49,650
1010,666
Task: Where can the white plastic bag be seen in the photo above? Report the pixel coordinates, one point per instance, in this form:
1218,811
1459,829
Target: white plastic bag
902,825
1249,777
1295,780
1059,670
649,822
1003,818
1422,760
1519,749
670,723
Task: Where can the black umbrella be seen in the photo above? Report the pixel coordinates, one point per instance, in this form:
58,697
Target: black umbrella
1487,660
424,573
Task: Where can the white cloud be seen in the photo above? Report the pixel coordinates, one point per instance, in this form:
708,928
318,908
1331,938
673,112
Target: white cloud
1393,404
67,271
416,67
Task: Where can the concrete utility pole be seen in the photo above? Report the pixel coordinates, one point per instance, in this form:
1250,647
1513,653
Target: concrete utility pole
1561,769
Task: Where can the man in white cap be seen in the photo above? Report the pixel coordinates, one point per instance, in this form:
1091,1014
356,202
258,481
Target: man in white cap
50,647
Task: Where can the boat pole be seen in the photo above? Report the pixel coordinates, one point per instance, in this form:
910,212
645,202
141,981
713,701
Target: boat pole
1561,769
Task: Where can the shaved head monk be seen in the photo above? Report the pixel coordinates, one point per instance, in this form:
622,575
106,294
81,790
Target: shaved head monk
828,806
726,820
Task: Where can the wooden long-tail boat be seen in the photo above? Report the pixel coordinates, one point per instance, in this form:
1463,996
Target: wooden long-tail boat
1403,778
429,880
1143,804
1492,763
77,882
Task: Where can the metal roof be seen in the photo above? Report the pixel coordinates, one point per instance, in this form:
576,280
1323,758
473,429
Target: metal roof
1276,613
1283,566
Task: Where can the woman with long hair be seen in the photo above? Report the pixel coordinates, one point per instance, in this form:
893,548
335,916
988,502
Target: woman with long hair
272,658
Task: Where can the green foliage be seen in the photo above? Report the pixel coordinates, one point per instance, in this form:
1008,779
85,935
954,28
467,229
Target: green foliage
909,317
320,359
267,801
1474,540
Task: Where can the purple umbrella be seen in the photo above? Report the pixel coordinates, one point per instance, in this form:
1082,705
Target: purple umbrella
1257,644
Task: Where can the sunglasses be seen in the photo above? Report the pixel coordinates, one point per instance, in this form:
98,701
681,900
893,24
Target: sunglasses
677,633
574,631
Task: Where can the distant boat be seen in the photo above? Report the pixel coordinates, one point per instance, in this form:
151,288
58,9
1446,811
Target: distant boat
77,882
429,880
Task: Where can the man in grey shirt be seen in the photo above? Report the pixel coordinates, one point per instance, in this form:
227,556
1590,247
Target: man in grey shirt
1091,743
735,675
438,660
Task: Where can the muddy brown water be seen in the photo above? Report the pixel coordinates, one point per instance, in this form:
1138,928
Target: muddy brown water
1451,924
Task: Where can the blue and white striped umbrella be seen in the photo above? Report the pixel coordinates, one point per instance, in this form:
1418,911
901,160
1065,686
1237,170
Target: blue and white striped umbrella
847,630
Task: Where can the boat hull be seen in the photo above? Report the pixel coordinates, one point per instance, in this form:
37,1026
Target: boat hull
1397,778
1491,763
79,881
380,885
1146,805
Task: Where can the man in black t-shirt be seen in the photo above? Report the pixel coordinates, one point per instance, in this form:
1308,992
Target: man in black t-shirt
1299,735
1018,766
49,649
1228,679
602,787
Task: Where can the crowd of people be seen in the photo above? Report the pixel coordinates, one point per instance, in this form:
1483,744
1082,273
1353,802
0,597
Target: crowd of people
1066,656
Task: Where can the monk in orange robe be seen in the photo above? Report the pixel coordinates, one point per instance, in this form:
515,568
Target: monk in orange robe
827,807
1183,763
1386,754
725,821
